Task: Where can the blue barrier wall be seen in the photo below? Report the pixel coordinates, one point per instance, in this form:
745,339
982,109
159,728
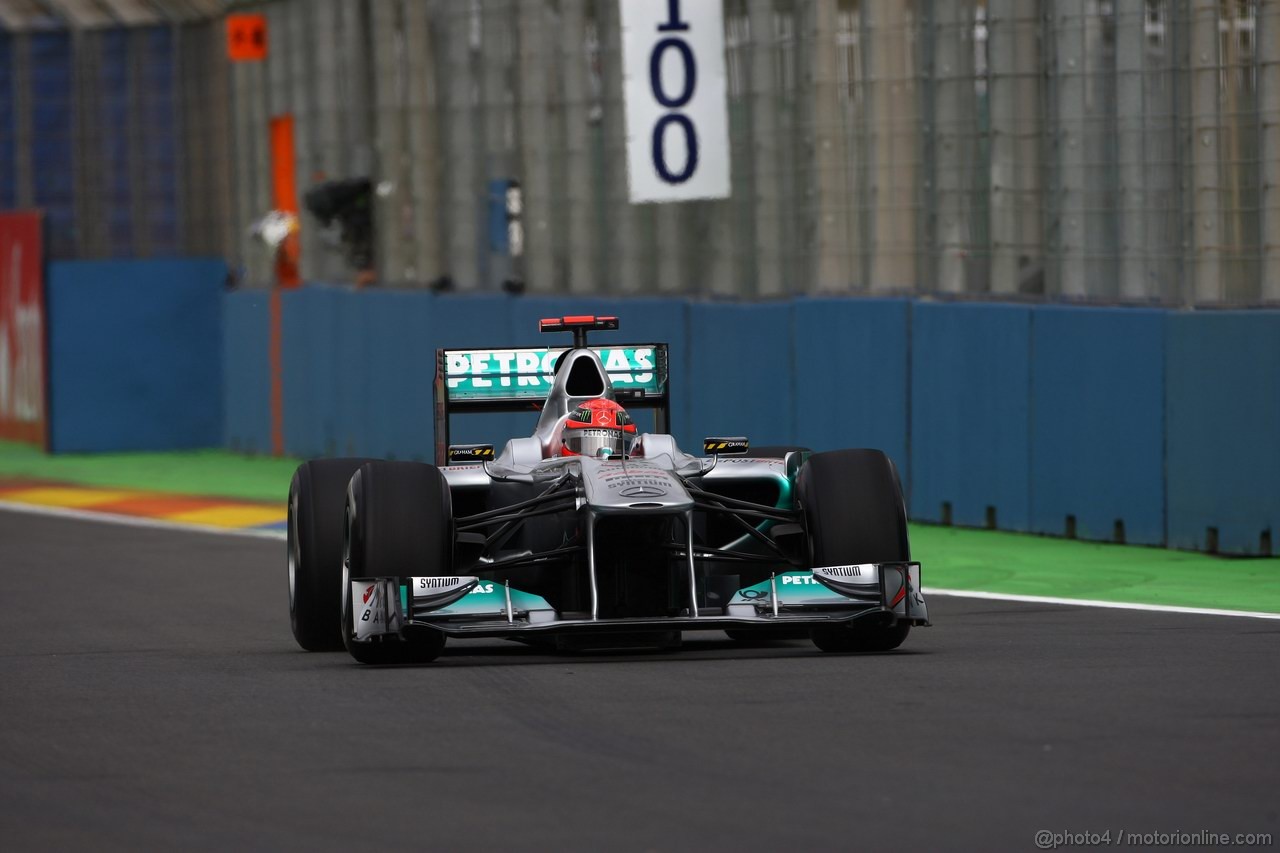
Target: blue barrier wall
1097,422
358,366
970,419
851,375
135,354
1224,429
1038,412
246,370
739,373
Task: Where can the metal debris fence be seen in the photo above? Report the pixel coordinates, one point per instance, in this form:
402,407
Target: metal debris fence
1095,150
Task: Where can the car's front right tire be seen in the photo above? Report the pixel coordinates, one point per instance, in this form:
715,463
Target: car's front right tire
854,513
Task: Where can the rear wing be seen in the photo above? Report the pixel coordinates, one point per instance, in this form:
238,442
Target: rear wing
518,380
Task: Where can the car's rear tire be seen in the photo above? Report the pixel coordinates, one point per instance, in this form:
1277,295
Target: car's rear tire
317,497
399,522
854,513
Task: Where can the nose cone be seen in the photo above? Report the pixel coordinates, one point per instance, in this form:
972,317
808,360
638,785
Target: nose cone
632,486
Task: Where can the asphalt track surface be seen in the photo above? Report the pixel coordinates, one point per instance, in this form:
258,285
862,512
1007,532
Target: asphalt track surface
151,697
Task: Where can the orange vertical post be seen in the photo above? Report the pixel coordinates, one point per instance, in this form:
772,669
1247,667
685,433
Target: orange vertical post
284,196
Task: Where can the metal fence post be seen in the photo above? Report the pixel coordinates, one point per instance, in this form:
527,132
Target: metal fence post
424,146
626,220
498,109
1017,249
1066,268
831,271
579,223
463,177
953,129
23,172
392,213
766,162
1268,42
895,149
1206,180
534,76
1131,120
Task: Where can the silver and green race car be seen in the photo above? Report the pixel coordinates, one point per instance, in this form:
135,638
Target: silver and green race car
389,559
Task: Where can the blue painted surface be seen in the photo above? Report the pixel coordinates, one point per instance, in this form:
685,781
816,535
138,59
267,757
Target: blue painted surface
1097,422
135,355
400,364
740,373
246,359
851,375
312,351
1223,450
970,428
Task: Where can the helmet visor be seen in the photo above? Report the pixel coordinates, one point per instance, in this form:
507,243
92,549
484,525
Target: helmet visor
597,442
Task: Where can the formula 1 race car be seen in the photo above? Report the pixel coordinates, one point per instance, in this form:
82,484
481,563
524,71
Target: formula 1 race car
590,534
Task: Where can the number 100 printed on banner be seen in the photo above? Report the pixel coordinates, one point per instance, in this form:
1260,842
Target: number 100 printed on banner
674,84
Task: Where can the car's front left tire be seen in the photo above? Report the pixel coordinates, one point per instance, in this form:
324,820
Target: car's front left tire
398,523
317,496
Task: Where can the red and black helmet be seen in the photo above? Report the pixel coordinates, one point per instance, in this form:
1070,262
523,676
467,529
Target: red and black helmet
598,428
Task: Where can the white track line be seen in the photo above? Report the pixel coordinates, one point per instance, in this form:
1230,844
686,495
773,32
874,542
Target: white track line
1085,602
135,521
160,524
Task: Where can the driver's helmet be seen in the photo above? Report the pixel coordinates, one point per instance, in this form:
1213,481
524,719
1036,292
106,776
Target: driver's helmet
597,426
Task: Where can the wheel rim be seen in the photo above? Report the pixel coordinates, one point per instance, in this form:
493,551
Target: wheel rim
292,547
347,609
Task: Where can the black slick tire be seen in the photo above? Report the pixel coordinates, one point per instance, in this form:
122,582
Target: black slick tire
399,523
854,512
317,498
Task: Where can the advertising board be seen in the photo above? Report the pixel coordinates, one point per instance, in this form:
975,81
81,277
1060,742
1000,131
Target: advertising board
22,328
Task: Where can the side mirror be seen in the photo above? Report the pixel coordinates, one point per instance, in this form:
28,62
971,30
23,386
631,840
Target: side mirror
469,453
722,446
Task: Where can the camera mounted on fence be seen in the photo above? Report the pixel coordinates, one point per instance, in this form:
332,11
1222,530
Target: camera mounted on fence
347,203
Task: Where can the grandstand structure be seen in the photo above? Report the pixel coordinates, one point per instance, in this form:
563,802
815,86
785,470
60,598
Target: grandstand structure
113,121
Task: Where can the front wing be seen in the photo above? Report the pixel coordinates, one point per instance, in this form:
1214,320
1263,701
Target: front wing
471,607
